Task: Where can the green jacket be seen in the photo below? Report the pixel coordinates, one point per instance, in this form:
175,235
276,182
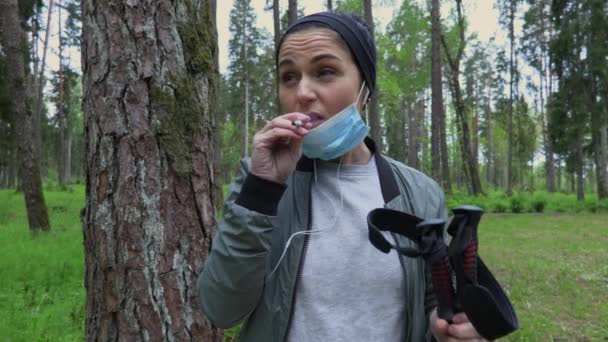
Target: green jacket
258,218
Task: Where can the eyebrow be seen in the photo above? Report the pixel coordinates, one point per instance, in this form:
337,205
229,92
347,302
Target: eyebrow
315,59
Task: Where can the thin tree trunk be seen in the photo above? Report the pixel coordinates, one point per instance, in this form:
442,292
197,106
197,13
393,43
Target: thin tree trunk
545,92
292,12
39,92
490,142
422,135
412,124
436,93
445,166
580,184
29,167
559,173
510,126
61,116
600,151
470,165
476,125
276,14
375,129
217,122
149,89
330,5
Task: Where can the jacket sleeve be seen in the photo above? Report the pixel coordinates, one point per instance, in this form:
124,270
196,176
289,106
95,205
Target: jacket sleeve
232,279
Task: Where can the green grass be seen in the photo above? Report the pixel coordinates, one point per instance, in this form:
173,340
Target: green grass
554,266
42,294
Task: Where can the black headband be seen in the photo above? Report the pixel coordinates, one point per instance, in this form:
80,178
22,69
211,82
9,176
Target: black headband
352,32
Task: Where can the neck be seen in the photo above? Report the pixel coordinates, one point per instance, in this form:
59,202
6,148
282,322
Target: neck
359,155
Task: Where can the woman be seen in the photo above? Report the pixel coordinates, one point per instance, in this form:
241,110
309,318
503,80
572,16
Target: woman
291,256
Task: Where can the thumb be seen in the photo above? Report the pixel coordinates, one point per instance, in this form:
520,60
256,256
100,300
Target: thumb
441,326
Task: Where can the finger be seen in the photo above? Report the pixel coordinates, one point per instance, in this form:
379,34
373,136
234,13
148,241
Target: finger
275,134
463,331
286,123
441,326
460,317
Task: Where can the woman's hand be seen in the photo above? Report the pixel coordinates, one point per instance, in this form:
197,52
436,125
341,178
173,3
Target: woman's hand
461,329
277,147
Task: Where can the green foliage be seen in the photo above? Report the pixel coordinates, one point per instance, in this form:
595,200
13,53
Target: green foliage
539,202
521,202
41,280
517,204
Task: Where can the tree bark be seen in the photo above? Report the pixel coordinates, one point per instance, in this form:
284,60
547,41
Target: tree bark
445,166
436,91
413,131
39,91
510,126
29,167
63,165
330,5
580,182
599,130
276,15
149,90
292,12
217,122
470,164
375,129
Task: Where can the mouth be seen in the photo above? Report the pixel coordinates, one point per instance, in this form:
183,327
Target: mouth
315,119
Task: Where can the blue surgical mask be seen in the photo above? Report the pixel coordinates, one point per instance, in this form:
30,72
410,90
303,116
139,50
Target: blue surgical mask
338,135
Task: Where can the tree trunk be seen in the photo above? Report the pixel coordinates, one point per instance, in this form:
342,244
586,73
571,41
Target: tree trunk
490,142
445,166
276,15
510,129
29,167
330,6
580,183
62,119
476,125
559,173
375,129
39,92
600,152
292,12
149,90
422,135
437,93
217,122
413,131
470,164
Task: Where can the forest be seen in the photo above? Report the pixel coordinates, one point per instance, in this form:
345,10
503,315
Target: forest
124,106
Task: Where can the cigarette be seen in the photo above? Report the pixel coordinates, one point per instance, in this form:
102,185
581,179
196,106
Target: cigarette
297,123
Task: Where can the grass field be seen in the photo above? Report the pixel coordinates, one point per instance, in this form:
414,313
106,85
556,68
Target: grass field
553,265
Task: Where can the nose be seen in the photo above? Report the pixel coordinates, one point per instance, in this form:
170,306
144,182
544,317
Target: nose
306,92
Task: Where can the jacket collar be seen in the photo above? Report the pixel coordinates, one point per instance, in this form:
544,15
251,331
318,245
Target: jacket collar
388,183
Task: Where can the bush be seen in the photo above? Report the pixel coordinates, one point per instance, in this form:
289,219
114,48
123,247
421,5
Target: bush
500,207
539,202
517,204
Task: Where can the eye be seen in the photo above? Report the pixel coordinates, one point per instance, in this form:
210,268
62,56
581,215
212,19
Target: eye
288,77
326,73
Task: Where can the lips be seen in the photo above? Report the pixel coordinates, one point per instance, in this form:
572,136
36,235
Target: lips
315,119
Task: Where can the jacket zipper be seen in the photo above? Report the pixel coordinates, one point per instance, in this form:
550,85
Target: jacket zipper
299,274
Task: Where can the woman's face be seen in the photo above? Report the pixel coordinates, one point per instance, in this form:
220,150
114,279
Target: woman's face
317,74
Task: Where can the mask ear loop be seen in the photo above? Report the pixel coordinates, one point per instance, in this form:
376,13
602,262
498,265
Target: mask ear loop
365,98
314,231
